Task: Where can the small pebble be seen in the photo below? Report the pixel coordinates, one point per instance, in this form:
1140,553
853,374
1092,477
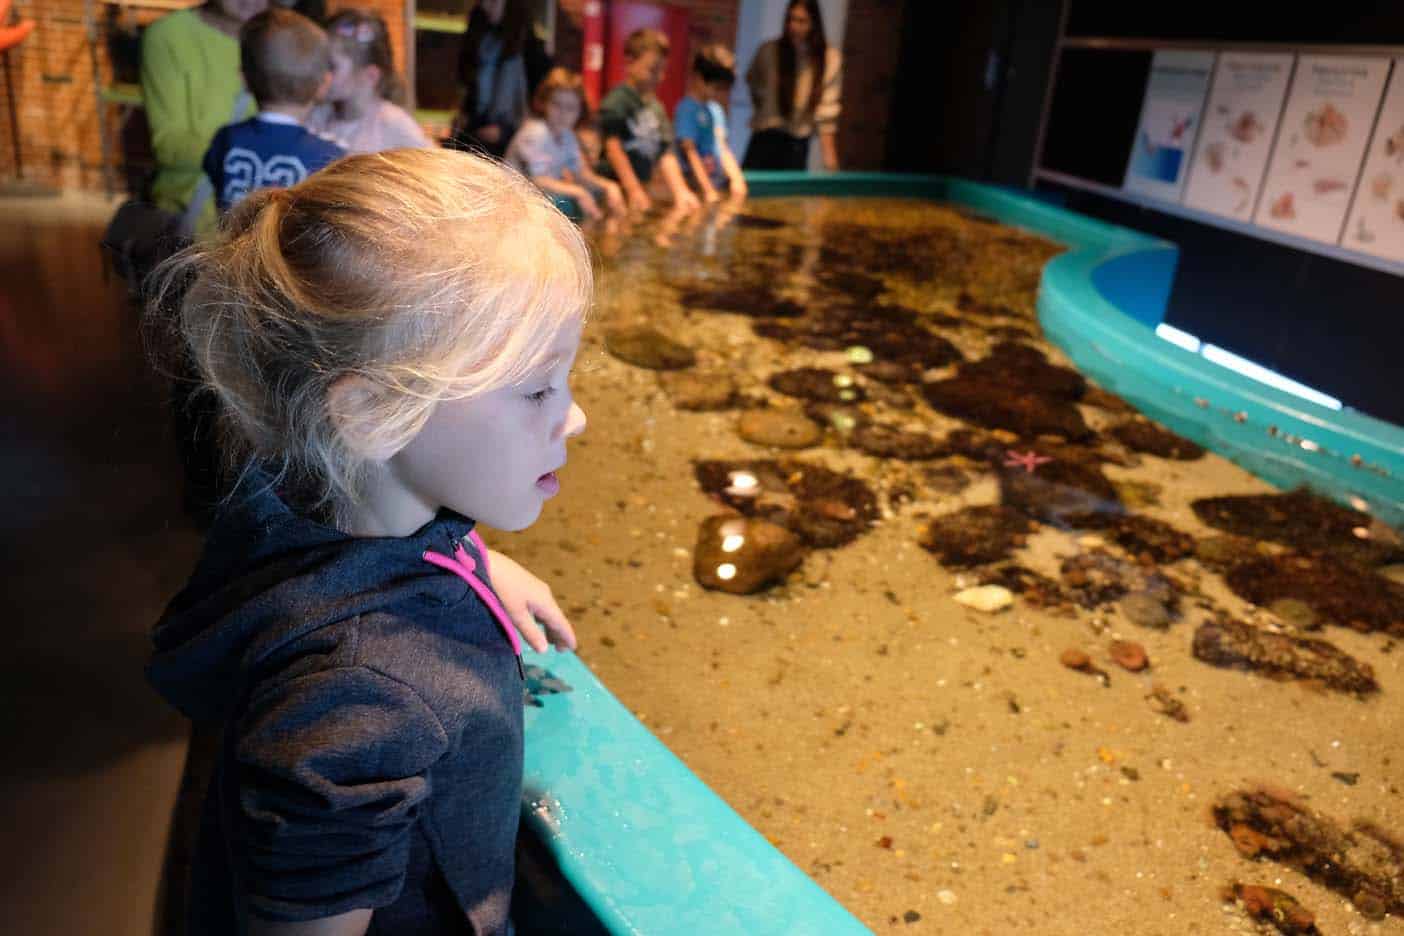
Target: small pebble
1074,658
1145,610
987,598
1294,612
859,355
946,897
1129,655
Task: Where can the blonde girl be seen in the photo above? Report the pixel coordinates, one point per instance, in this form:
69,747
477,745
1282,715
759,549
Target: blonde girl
390,344
365,106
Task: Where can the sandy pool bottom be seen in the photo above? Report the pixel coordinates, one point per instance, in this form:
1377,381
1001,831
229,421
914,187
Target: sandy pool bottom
934,768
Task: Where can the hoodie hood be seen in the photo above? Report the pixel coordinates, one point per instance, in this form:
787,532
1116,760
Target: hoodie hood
268,578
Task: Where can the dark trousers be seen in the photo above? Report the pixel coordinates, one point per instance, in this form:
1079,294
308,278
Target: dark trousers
776,149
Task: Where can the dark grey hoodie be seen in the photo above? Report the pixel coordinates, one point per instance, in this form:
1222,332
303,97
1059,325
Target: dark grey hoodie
371,709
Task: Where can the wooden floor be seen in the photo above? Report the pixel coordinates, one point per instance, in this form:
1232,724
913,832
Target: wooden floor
94,544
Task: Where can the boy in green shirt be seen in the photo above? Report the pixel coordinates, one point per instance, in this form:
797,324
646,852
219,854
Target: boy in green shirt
190,83
637,133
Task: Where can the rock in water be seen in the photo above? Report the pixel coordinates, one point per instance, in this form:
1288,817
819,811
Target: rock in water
1363,863
1129,655
699,392
887,442
743,555
997,404
1149,439
1235,644
976,535
1339,592
787,429
824,508
647,347
1139,535
1057,490
986,598
1146,610
817,383
1305,521
1294,612
1276,908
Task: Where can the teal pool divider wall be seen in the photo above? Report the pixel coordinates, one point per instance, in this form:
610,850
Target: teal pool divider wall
647,844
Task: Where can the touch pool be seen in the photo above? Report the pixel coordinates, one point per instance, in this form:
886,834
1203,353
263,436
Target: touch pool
1016,656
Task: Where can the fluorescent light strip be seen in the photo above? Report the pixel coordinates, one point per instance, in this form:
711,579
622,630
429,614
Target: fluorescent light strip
1183,339
1261,374
1175,336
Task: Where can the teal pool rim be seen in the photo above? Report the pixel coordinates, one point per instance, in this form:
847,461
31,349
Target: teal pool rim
1100,302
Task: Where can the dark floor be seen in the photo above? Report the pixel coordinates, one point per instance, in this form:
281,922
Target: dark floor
94,544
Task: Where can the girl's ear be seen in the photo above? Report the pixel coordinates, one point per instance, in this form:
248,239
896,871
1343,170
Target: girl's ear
352,405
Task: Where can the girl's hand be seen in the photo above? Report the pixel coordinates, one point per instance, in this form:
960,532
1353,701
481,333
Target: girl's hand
528,600
489,133
588,205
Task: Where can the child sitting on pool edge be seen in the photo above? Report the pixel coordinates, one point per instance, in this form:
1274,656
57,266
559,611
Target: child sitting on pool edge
364,110
390,371
546,149
699,122
638,137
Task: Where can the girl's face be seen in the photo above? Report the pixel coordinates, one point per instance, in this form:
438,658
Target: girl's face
562,111
494,457
342,75
493,9
798,25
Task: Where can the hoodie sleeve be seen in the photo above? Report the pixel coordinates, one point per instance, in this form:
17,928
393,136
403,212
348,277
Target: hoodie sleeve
332,771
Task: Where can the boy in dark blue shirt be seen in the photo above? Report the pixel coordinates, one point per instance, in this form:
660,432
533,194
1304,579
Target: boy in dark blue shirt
287,67
637,133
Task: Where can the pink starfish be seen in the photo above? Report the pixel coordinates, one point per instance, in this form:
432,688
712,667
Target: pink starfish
1027,460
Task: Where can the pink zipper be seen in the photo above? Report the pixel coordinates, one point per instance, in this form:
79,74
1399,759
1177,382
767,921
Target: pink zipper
463,565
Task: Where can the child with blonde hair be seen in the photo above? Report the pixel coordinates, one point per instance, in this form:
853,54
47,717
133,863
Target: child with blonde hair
390,345
364,110
546,150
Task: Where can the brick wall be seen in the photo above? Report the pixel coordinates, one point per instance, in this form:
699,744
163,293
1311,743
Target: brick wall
53,76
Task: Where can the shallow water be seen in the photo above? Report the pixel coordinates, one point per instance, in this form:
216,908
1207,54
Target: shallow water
934,766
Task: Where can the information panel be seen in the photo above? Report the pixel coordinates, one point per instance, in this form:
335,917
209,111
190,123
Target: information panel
1325,131
1170,116
1376,224
1240,123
